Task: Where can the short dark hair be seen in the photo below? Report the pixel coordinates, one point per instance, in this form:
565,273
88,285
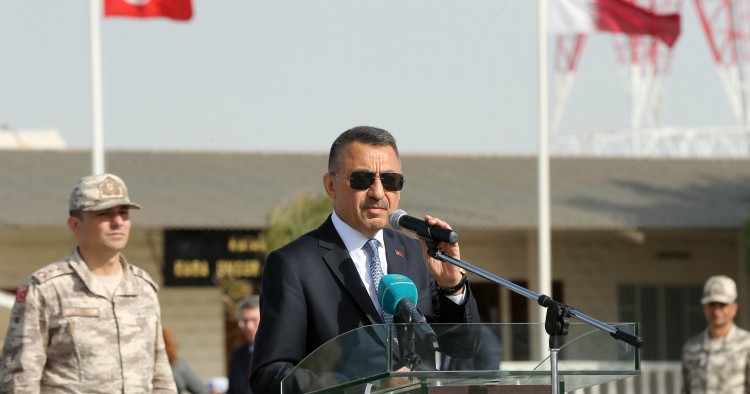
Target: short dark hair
367,135
76,214
250,302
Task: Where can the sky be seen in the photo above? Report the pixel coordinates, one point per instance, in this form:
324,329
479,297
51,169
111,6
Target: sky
444,76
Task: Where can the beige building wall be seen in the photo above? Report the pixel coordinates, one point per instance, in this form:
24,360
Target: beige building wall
590,264
194,315
24,251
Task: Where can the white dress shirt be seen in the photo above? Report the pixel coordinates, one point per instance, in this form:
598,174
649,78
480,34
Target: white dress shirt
355,242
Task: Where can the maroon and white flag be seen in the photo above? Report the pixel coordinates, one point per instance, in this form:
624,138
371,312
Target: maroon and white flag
619,16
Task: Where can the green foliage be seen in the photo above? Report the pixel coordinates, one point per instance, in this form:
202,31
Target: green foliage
233,291
287,221
296,217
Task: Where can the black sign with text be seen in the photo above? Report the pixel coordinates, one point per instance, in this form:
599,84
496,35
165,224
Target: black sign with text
195,257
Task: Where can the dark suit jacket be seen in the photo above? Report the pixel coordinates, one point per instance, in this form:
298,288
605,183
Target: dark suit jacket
239,371
487,357
311,292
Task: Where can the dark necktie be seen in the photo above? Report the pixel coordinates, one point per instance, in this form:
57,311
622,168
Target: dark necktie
376,272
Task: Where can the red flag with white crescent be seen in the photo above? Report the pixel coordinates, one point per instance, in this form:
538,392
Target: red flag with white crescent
181,10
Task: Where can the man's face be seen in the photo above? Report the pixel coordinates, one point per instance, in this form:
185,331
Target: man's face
249,323
364,210
102,231
719,314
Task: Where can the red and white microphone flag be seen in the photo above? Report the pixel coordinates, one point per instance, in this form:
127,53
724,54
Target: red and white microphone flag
181,10
619,16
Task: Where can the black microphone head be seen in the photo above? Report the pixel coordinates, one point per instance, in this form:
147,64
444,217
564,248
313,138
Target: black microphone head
395,217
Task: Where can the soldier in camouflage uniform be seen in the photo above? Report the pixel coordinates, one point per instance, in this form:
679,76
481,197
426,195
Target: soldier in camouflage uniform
718,360
89,323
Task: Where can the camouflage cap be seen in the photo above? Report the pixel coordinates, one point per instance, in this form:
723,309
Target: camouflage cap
721,289
99,192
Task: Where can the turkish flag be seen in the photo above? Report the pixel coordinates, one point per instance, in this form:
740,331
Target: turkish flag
619,16
180,10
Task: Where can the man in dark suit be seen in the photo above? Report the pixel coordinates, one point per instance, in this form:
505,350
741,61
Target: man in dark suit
248,317
319,285
486,359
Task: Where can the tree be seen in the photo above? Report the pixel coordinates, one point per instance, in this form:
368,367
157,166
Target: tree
296,217
289,220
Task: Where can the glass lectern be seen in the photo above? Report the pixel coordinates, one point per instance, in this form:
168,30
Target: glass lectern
403,358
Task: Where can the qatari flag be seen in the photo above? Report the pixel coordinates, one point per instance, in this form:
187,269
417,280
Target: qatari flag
619,16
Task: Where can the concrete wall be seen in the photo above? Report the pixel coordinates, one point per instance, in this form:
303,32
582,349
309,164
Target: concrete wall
194,315
590,265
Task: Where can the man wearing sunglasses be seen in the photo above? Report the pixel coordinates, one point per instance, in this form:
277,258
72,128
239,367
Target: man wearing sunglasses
320,286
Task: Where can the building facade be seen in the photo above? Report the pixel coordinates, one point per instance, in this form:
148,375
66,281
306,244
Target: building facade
632,240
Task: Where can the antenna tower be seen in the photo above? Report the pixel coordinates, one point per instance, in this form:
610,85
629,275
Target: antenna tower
644,64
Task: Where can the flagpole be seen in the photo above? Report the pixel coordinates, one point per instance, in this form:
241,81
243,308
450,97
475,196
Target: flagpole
544,276
97,124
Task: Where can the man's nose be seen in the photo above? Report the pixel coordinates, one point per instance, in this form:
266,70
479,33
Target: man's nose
376,190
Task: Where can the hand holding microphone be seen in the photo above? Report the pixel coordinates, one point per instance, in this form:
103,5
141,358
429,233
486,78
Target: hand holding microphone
399,220
446,275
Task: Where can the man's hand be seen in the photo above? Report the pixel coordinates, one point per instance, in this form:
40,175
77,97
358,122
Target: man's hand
445,274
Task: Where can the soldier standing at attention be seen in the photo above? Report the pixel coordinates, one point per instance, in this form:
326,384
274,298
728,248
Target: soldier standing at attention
717,361
89,323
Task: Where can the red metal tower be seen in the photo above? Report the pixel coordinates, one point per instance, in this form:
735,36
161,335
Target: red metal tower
645,64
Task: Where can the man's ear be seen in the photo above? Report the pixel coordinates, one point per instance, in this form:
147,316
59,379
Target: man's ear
328,185
74,224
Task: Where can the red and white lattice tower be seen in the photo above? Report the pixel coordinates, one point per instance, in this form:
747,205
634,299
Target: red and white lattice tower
726,24
645,64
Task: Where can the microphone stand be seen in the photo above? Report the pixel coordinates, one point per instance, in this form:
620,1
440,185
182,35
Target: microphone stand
409,356
556,322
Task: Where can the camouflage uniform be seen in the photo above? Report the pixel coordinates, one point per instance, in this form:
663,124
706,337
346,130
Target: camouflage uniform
725,370
68,335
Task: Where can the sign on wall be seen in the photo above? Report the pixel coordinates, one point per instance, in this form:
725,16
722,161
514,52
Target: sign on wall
195,257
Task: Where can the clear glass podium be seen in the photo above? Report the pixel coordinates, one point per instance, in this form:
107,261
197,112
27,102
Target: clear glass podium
404,359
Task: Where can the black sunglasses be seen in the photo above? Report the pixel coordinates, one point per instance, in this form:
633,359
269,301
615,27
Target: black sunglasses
362,180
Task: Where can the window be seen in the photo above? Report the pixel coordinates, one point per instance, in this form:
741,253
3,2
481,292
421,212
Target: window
489,303
668,316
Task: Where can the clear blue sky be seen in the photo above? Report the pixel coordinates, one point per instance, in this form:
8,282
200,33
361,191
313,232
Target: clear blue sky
289,75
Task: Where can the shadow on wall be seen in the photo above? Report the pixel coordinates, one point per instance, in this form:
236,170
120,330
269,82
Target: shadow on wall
710,202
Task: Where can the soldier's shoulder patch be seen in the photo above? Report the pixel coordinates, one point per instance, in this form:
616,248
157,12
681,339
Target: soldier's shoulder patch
51,271
140,273
21,292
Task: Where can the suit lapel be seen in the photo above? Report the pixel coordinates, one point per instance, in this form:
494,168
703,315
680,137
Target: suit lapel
342,267
395,254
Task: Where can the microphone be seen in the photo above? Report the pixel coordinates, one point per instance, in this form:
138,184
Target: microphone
397,295
401,221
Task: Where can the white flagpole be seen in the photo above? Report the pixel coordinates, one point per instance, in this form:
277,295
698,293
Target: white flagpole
544,270
97,123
